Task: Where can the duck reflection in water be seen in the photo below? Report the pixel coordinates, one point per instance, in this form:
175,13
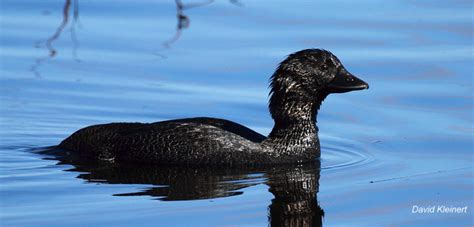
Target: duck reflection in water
294,187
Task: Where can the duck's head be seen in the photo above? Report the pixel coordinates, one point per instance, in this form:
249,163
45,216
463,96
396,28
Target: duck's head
304,79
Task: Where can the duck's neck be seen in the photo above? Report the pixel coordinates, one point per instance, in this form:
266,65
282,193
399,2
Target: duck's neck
295,131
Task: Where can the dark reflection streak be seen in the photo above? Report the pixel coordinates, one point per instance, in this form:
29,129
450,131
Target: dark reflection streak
236,2
76,11
183,20
183,23
49,42
38,62
75,44
75,23
55,36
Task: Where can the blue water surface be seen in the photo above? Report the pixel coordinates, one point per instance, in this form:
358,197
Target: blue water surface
407,141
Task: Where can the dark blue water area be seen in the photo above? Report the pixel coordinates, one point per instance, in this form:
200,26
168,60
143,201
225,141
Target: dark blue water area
405,142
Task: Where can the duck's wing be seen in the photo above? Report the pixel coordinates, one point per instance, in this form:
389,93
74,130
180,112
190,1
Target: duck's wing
107,141
91,140
225,125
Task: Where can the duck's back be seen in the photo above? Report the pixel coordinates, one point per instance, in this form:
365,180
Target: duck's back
182,141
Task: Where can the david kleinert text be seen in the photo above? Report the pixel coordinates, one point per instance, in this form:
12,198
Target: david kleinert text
441,209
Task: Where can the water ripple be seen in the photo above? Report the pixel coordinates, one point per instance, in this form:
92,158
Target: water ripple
344,154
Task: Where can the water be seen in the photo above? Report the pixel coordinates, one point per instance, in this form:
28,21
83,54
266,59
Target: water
405,142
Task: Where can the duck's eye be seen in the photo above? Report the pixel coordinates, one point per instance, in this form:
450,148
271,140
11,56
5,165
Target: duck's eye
323,67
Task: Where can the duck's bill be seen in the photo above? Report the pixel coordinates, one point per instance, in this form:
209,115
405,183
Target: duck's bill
345,82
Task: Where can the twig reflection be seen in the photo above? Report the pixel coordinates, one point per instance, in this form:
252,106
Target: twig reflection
183,20
49,42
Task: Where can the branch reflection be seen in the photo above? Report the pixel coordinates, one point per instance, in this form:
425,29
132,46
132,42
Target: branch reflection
49,42
183,22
